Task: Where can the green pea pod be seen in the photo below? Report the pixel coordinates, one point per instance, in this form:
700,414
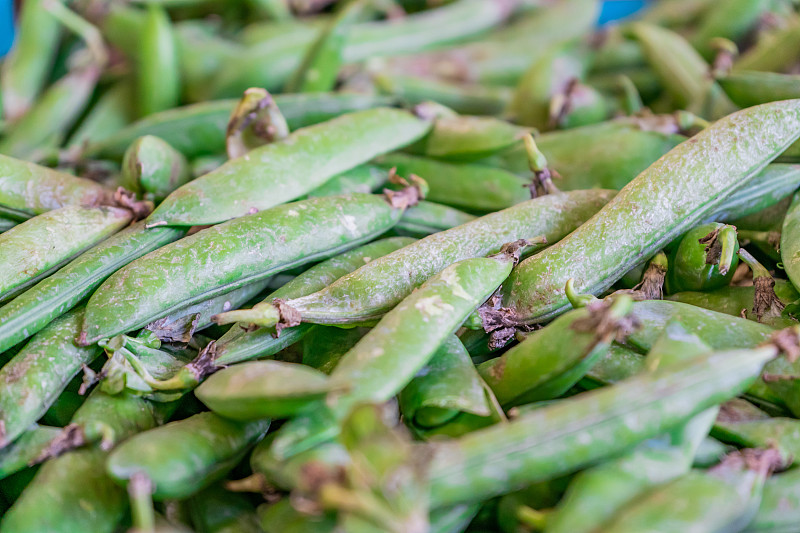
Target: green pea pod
581,105
216,510
724,498
45,125
473,187
426,218
53,499
363,178
27,66
319,68
254,122
750,87
282,517
780,505
36,248
208,121
561,438
675,193
153,168
617,364
324,348
731,20
37,375
158,74
770,187
445,389
743,424
35,308
183,457
110,114
550,361
774,50
704,259
374,289
288,474
6,224
683,71
35,189
467,99
296,165
790,241
241,251
261,389
467,138
26,448
613,153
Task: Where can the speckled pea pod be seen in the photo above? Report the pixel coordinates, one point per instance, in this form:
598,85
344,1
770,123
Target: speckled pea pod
447,388
36,376
36,248
56,499
26,448
724,498
153,168
550,361
207,122
467,138
780,505
35,189
374,289
295,165
35,308
749,87
158,75
768,188
183,457
473,187
775,50
426,218
572,433
672,195
363,178
242,251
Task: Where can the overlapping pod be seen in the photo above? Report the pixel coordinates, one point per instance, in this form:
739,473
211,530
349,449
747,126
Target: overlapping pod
35,248
222,258
153,168
671,196
293,166
426,218
374,289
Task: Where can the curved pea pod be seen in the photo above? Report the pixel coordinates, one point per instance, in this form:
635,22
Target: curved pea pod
790,241
780,505
208,122
26,448
550,361
39,305
36,248
254,122
704,259
426,218
749,87
52,500
241,251
444,390
261,389
774,51
724,498
745,425
363,178
474,187
183,457
731,20
111,113
295,166
682,70
679,190
467,138
613,153
36,376
374,289
467,99
35,189
561,438
158,74
154,168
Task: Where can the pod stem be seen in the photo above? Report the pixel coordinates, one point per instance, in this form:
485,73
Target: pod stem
721,247
191,375
414,189
766,303
533,519
542,175
512,251
264,314
631,99
140,492
577,299
610,320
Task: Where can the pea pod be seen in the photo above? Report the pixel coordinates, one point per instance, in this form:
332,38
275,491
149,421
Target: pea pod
184,457
426,218
302,161
216,510
36,248
790,241
743,424
773,50
591,426
750,87
158,80
473,187
26,448
446,395
35,189
467,138
324,348
153,168
233,254
705,258
780,504
731,20
35,308
695,186
735,300
111,113
374,289
208,122
363,178
255,121
772,186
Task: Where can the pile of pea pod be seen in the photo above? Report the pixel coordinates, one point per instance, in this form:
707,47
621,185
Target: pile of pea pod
406,266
